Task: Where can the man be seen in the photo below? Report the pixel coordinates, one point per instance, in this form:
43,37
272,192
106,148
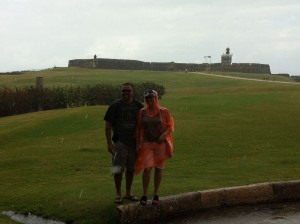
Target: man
121,119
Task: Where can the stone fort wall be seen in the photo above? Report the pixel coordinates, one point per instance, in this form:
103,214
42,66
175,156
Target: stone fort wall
122,64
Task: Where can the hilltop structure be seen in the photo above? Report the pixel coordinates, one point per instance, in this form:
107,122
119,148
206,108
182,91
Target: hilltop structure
226,65
226,58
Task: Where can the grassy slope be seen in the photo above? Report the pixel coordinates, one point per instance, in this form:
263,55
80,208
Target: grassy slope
6,220
228,132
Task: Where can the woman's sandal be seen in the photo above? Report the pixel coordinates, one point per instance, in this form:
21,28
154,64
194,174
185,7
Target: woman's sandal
143,200
155,200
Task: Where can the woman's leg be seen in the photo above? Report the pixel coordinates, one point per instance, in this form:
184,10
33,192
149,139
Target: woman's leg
146,180
157,180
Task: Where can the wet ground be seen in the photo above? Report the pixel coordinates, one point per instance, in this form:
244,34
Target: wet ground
29,219
279,213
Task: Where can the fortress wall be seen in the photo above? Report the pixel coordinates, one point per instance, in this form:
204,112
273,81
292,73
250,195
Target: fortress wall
197,67
119,64
84,63
104,63
159,66
249,68
180,66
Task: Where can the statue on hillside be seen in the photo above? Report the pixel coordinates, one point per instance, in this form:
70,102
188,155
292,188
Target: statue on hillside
95,56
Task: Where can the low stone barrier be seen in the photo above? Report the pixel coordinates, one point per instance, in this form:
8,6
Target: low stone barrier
287,191
188,203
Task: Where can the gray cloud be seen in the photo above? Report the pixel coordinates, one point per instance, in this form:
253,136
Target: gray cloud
42,34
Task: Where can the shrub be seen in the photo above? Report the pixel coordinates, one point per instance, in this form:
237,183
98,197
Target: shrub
30,99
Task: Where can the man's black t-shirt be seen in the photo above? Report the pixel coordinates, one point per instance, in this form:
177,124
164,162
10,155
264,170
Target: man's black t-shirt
123,118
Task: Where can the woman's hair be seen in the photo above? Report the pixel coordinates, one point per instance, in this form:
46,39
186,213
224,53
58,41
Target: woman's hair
150,93
155,107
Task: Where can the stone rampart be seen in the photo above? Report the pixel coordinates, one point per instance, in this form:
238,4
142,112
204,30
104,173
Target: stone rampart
84,63
122,64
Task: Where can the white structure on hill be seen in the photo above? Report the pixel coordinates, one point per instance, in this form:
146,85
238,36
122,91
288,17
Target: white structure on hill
226,59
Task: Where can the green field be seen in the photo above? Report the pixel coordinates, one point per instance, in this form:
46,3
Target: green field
228,132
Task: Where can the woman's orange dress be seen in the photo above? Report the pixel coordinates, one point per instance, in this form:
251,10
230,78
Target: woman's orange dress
149,128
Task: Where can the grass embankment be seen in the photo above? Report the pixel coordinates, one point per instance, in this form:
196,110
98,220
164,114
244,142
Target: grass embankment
227,133
6,220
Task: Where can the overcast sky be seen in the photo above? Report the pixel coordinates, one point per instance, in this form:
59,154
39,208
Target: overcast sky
39,34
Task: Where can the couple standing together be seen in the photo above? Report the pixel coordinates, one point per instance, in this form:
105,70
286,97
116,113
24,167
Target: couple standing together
139,138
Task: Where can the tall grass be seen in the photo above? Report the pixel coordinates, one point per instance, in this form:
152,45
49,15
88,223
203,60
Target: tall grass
227,133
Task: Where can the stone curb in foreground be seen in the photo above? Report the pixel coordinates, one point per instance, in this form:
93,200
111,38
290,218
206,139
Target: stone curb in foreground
187,203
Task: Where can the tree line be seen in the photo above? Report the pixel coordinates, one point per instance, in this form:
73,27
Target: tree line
30,99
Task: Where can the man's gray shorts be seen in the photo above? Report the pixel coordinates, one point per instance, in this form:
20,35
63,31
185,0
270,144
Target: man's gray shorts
124,158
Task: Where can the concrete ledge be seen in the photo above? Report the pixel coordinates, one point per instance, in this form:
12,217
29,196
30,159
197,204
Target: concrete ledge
170,206
186,203
213,198
287,191
251,194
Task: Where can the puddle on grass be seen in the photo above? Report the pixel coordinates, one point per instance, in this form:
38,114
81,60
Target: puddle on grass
278,213
29,219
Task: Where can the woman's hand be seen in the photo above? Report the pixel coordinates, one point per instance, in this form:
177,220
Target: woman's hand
163,136
161,139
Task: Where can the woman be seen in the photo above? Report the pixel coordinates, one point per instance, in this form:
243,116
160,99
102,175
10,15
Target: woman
154,142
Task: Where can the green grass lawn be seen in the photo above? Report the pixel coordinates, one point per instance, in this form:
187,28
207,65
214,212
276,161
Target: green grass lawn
6,220
227,133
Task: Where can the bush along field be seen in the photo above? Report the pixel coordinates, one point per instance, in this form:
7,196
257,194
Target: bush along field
29,99
228,132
